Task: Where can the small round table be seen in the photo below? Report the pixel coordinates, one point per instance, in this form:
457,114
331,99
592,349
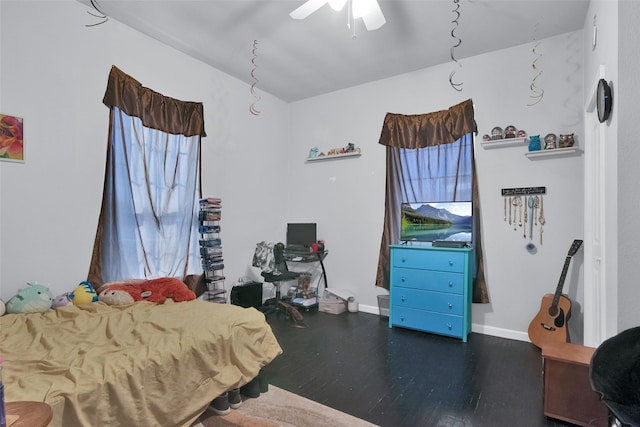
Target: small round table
30,414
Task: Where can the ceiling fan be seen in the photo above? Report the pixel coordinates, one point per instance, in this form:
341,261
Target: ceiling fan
368,10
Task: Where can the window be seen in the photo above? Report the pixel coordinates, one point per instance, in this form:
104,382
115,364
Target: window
441,173
149,219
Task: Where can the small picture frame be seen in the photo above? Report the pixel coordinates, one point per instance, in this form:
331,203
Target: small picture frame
11,139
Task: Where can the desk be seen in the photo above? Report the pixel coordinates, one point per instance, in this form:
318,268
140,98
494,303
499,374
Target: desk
30,414
307,258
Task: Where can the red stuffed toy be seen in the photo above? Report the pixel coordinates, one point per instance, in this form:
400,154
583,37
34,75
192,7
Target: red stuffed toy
155,290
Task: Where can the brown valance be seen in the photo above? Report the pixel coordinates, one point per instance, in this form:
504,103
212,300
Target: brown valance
424,130
155,110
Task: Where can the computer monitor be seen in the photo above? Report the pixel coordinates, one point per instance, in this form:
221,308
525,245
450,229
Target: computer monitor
301,235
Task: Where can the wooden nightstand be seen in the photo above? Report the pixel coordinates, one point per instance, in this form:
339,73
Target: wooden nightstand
568,395
30,414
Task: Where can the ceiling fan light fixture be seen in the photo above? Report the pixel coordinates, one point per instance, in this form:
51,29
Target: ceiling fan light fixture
368,10
337,5
361,8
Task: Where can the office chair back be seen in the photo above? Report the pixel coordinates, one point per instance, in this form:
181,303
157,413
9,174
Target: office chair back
280,272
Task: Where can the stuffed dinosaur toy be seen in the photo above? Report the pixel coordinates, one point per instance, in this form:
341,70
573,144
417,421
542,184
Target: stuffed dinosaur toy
34,298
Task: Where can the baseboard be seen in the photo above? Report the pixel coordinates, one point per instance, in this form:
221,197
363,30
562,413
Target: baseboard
477,328
371,309
500,332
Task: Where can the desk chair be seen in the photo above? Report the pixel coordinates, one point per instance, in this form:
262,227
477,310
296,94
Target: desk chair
277,276
615,374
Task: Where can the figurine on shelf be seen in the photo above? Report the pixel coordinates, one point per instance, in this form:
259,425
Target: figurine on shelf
566,141
522,133
313,152
534,143
496,133
550,141
510,131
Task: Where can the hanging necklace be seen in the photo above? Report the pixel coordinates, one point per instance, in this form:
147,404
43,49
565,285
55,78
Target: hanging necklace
541,220
524,229
505,208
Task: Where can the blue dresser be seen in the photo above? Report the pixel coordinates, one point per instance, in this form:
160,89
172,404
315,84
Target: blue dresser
431,289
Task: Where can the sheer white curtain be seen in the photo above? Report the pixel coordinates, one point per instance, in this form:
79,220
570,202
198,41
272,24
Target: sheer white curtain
151,200
440,173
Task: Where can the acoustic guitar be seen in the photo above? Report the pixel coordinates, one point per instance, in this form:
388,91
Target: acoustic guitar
550,324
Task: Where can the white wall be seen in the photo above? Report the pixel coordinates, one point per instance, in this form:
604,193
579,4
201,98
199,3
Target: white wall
53,74
346,197
626,90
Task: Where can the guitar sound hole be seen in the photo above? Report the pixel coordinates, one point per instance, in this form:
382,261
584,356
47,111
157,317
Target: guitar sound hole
553,311
559,322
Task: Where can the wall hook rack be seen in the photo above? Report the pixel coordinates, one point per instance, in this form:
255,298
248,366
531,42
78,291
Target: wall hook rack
523,191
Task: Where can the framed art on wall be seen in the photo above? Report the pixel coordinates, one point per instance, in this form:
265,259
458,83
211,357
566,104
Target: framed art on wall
11,139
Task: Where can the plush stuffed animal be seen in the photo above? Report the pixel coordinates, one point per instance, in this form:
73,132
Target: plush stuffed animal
61,300
83,294
115,297
34,298
155,290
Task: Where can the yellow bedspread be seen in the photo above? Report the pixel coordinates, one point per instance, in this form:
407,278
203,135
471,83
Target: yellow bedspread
140,365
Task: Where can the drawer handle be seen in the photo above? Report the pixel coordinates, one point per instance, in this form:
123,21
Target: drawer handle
403,279
402,298
450,262
403,259
450,305
449,326
402,318
450,284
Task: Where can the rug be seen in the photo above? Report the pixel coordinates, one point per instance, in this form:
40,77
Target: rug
280,408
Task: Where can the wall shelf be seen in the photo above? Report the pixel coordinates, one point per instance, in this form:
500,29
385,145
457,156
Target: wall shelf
555,152
333,157
509,142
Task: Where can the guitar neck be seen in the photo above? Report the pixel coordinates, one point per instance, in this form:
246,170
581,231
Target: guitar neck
572,251
563,276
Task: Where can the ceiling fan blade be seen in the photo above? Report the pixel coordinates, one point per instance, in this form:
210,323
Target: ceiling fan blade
307,8
374,19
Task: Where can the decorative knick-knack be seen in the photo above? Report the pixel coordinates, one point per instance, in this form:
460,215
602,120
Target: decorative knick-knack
534,142
566,141
497,133
550,141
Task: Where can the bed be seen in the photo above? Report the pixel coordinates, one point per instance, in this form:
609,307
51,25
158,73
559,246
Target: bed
143,364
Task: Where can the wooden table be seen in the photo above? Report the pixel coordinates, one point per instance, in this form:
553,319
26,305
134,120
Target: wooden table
568,395
29,414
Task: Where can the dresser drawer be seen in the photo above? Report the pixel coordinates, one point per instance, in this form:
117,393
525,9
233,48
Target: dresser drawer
428,321
426,300
428,280
429,260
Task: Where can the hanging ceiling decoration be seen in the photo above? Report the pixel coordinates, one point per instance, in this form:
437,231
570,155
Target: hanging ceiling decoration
100,15
458,42
537,93
254,80
368,10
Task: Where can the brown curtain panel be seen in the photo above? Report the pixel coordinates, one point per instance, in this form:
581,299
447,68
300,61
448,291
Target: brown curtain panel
419,131
156,111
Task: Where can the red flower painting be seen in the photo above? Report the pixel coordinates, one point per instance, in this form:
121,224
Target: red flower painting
11,140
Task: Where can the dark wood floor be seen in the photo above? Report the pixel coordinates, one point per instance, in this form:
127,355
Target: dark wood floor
397,377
